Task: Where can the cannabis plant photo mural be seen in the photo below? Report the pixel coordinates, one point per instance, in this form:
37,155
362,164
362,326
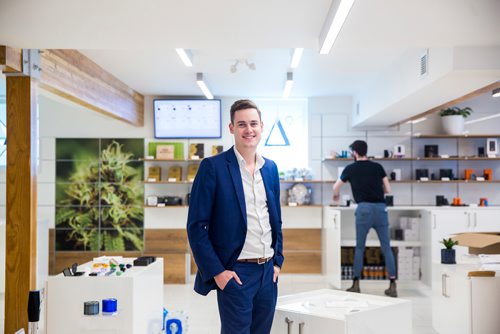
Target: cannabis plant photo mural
99,195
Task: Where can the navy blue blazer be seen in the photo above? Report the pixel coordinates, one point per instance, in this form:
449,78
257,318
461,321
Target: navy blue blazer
217,220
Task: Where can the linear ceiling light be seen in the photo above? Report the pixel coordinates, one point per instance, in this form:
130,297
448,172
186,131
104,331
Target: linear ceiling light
288,85
186,57
495,92
485,118
339,10
297,55
203,86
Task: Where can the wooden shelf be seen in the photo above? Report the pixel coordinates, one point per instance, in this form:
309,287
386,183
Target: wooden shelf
457,136
371,159
304,181
457,158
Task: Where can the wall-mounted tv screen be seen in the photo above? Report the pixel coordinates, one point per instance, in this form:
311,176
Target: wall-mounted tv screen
187,118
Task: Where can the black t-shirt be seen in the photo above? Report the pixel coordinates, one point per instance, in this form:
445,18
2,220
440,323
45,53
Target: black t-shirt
365,178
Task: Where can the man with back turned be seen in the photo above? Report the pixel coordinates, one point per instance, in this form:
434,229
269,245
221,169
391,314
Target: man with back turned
368,182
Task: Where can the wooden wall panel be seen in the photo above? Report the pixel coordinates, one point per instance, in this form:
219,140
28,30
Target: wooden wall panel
165,240
173,249
301,239
302,262
174,267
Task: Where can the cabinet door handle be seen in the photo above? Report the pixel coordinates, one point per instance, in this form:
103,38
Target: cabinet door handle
444,288
475,219
335,222
468,219
433,221
289,323
301,327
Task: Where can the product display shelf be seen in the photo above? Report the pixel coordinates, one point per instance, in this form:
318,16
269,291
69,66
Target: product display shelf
464,136
301,181
172,160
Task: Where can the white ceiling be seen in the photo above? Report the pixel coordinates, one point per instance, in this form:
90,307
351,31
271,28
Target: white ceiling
135,40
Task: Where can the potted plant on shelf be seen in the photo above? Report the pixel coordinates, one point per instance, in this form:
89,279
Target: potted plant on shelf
453,119
448,253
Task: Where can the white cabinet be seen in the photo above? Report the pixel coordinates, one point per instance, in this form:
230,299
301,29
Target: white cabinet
485,220
331,246
332,311
139,292
445,223
462,304
450,221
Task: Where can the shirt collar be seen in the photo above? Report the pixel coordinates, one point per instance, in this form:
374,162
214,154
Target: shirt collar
259,162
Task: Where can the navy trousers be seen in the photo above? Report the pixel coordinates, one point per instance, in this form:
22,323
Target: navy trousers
248,308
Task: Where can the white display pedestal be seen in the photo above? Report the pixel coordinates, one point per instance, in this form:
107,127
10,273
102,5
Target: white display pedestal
139,292
334,311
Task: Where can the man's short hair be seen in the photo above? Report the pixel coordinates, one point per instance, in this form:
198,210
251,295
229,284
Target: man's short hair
360,147
241,105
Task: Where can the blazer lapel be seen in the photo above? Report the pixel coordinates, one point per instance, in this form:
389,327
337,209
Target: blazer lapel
234,170
266,178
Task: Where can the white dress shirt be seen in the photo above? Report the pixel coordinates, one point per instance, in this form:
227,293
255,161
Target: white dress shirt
258,239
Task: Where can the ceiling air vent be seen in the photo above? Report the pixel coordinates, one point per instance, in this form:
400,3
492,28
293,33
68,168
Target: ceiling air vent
424,63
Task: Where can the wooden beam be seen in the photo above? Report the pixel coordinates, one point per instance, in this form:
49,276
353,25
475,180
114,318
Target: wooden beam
70,74
480,91
11,60
20,258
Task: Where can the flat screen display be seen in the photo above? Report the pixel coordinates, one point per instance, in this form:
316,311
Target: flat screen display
187,118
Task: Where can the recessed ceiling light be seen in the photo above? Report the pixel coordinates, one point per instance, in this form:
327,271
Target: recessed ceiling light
186,57
297,55
203,86
335,19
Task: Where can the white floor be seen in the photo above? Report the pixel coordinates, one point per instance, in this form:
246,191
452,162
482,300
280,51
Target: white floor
203,317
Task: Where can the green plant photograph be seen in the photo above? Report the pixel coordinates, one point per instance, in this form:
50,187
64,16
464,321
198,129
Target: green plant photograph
99,195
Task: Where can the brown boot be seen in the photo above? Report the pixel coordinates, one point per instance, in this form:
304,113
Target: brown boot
392,291
354,287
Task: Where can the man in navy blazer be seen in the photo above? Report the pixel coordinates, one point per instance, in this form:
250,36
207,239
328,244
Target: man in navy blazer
234,227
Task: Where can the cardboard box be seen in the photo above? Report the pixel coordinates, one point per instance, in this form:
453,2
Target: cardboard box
479,243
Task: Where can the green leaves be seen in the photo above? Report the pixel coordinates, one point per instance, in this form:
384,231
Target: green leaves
449,243
102,206
464,112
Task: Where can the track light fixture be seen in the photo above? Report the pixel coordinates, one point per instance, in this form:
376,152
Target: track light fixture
234,67
495,92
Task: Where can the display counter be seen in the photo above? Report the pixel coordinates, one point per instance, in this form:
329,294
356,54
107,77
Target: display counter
138,291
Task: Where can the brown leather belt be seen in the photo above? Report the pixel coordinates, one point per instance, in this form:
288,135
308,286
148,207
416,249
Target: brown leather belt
260,260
